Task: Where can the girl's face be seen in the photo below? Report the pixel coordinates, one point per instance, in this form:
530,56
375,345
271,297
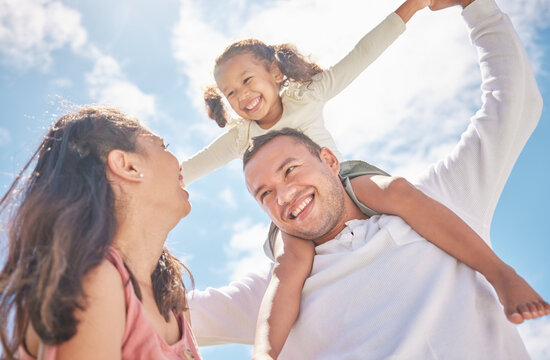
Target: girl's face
251,88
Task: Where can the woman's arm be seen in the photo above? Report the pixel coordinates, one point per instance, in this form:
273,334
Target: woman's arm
281,302
102,321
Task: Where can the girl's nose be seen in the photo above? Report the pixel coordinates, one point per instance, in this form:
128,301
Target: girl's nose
243,94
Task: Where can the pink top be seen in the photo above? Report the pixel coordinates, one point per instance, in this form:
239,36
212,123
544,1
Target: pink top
140,339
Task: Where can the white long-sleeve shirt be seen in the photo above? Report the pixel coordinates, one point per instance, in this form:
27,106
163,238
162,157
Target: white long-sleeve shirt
379,290
303,104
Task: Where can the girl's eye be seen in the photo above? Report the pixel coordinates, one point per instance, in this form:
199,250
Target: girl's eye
247,79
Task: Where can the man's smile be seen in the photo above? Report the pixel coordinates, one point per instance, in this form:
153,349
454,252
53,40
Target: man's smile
299,208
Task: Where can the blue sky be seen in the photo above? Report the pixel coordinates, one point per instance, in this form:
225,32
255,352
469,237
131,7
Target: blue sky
151,59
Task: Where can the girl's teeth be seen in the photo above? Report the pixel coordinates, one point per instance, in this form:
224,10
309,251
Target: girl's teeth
253,104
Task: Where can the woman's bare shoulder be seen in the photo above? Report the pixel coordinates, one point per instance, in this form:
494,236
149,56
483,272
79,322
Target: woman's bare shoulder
102,320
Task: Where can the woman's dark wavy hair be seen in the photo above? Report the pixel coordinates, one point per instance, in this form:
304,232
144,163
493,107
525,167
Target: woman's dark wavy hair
293,65
60,224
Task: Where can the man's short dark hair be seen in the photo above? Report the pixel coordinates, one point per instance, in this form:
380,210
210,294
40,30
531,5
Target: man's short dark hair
259,141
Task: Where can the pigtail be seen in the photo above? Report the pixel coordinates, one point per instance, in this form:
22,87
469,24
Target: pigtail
294,65
214,105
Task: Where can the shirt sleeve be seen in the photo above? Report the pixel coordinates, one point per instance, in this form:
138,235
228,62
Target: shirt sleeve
228,314
335,79
221,151
471,178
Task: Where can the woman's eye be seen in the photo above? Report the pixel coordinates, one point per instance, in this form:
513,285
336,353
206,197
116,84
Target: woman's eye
289,169
229,94
247,79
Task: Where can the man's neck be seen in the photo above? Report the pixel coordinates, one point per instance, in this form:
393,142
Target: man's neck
350,212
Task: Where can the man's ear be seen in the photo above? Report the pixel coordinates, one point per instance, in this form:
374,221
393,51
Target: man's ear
276,72
328,157
124,165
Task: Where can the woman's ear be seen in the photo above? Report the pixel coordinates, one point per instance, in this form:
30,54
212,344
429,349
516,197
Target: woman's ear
328,157
276,72
124,165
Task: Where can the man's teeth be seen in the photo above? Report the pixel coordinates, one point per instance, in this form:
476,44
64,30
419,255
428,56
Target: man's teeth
301,207
253,103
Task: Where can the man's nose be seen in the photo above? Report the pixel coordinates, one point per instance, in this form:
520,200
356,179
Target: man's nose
285,194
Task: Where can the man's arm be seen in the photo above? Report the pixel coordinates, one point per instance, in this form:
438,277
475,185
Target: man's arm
470,179
228,314
439,225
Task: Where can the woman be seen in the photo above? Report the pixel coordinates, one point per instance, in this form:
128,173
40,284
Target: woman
87,274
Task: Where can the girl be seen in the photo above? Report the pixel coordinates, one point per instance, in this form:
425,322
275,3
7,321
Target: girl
274,87
87,275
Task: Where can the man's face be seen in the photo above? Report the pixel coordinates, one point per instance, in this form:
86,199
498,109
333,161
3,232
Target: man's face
301,193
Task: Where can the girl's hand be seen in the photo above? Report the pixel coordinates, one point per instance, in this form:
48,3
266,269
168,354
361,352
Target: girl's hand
410,7
442,4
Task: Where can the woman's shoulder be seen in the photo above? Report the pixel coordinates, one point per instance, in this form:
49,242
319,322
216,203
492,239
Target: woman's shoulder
104,276
104,307
104,290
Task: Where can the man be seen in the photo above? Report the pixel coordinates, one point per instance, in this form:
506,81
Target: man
377,289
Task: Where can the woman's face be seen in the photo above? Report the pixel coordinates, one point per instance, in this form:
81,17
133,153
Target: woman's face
161,174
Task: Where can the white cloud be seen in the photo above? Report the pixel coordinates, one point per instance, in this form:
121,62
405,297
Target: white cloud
61,83
536,335
228,198
30,30
406,109
196,44
108,85
529,16
5,137
245,249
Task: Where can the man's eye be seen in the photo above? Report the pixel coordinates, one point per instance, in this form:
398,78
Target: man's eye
264,194
247,79
289,169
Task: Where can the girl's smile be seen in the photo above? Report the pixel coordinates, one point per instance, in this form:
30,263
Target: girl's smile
252,88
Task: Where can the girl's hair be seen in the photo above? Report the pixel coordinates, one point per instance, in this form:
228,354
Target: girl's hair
293,65
61,222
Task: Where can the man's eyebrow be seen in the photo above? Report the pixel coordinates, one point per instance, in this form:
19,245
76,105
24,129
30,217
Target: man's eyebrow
284,163
258,190
279,169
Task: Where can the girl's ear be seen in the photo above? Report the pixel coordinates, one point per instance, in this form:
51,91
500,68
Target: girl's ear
276,72
328,157
124,165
